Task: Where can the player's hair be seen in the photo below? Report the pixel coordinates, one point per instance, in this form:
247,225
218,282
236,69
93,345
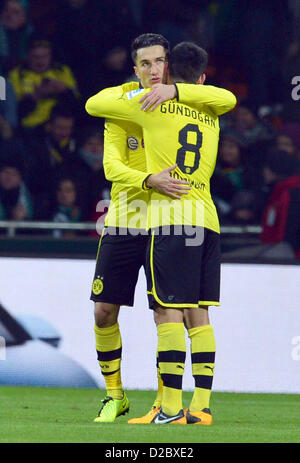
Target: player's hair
187,62
149,40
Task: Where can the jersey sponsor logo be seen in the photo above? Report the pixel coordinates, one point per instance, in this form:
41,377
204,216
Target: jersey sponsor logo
132,143
134,93
97,286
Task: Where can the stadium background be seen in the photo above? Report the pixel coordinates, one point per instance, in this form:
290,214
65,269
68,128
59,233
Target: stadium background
47,249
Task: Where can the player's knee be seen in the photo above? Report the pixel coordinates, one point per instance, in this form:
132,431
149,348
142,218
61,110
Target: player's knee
193,318
168,315
105,314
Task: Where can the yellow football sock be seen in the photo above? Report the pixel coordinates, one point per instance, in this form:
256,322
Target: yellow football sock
203,349
109,352
171,355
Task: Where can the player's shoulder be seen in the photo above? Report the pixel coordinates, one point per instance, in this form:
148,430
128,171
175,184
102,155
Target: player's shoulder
132,89
130,86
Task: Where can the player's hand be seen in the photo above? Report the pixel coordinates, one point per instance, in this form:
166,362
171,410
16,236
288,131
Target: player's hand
157,95
168,185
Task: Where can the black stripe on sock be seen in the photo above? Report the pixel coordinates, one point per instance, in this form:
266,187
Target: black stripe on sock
203,357
110,373
172,356
173,381
110,355
203,381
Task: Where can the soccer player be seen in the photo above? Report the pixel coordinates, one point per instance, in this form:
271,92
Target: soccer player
122,247
176,133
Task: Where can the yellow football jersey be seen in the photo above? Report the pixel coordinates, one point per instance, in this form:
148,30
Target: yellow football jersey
124,165
175,133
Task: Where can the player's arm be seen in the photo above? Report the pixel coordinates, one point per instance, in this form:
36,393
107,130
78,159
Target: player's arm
114,103
117,170
115,159
219,100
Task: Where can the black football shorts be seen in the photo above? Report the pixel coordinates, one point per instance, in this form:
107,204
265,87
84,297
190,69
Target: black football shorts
118,263
183,271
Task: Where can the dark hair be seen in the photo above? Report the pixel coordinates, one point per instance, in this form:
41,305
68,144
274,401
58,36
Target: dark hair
187,62
149,40
13,155
281,163
88,132
60,110
12,162
65,177
40,42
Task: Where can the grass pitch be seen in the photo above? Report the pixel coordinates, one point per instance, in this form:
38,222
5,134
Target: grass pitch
49,415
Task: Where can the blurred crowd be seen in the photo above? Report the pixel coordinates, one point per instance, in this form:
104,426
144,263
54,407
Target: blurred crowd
54,54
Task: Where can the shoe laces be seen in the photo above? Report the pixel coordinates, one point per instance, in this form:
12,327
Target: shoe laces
155,410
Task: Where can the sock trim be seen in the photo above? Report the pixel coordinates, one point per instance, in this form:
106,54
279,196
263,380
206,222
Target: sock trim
107,330
203,381
172,356
172,381
197,329
203,357
109,355
110,372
